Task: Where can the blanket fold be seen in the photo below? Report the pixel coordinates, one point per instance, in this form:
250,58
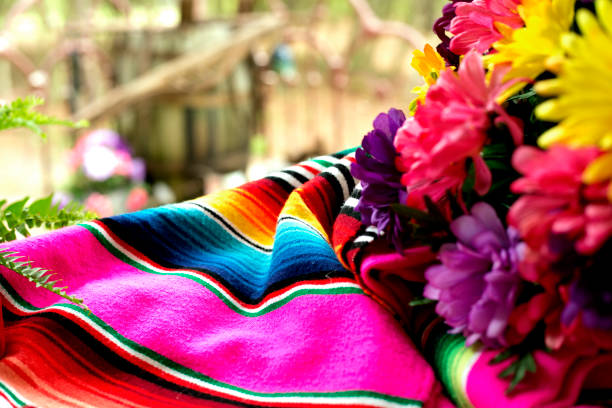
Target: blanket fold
250,297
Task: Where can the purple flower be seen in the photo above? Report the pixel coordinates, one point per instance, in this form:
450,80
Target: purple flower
441,26
108,138
375,167
138,170
591,294
477,283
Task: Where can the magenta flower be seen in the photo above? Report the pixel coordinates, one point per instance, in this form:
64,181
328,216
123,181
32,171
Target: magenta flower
450,127
475,24
375,168
477,282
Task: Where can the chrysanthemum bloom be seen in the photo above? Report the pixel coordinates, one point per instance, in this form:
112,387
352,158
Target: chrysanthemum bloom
536,47
441,27
375,168
584,92
450,127
476,24
477,283
428,63
555,206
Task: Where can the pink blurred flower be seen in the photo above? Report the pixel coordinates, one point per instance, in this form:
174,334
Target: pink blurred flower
137,199
556,208
474,26
102,154
450,127
99,204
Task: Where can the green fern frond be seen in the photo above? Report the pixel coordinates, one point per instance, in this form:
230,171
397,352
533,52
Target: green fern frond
41,277
20,114
17,218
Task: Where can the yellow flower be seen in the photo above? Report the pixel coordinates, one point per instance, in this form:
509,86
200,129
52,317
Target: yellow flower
583,87
428,63
536,47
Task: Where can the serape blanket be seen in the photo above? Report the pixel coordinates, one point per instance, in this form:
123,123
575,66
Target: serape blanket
249,297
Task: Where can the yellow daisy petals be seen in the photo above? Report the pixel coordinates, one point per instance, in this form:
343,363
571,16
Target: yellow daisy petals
537,46
583,88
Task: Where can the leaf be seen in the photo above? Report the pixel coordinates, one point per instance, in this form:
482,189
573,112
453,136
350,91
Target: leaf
39,276
502,356
523,95
421,302
42,206
517,370
409,212
412,213
20,114
16,208
19,218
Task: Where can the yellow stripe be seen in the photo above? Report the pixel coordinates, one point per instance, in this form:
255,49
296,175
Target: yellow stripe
297,208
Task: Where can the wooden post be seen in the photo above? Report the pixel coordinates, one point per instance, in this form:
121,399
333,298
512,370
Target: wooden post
187,12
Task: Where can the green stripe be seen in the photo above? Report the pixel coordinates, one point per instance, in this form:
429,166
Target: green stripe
348,151
452,361
272,306
128,344
323,163
6,390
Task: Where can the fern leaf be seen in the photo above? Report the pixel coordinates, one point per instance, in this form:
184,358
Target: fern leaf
17,218
39,276
20,114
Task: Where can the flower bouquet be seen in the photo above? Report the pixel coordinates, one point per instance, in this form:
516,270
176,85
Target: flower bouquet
106,176
495,187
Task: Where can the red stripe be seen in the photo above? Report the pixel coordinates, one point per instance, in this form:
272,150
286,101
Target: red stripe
45,355
228,293
151,369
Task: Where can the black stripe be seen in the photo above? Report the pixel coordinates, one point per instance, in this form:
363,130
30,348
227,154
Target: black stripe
348,246
338,198
282,183
347,176
301,178
223,221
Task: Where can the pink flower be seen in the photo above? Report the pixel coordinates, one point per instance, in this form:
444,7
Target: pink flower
137,199
450,127
99,204
556,208
474,26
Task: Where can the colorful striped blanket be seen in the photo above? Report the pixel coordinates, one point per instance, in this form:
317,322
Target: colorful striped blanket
250,297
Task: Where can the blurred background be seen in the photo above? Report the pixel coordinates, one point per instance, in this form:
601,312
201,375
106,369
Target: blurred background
185,97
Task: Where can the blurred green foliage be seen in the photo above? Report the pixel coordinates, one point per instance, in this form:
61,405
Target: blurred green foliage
20,113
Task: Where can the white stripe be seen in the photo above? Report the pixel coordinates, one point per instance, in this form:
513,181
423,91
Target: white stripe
304,172
221,289
334,171
363,239
295,183
243,238
351,202
341,401
373,228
